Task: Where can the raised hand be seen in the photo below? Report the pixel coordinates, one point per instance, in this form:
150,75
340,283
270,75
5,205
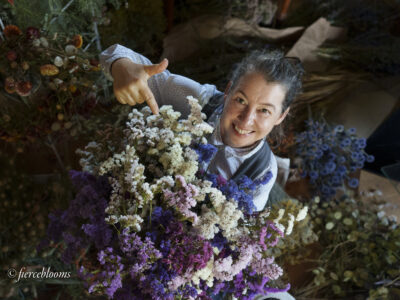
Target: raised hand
130,82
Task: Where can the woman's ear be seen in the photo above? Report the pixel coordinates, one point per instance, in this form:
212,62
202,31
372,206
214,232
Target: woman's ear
227,89
282,116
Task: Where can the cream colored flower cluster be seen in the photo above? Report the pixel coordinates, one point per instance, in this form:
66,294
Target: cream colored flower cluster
157,148
224,214
280,220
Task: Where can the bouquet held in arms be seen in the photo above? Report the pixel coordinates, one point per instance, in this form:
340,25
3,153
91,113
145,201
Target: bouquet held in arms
148,222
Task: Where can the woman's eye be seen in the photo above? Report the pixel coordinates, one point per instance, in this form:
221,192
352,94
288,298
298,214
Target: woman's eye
265,111
240,100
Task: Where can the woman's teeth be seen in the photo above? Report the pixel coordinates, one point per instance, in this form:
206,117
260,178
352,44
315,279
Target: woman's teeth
241,131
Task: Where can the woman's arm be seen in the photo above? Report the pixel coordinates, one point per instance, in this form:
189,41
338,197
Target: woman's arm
166,87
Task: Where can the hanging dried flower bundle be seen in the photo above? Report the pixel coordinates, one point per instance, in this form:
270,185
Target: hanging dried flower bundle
51,80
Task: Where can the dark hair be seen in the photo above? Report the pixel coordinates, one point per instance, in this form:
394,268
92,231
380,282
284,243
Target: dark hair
275,67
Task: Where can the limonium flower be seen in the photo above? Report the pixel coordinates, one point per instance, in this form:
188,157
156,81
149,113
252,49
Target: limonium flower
183,199
160,227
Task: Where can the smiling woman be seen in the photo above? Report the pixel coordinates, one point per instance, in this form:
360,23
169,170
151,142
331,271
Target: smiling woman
256,99
251,110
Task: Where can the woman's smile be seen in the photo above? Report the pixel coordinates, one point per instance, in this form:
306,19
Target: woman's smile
242,131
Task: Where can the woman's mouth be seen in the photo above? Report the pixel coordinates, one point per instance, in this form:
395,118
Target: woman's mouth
241,131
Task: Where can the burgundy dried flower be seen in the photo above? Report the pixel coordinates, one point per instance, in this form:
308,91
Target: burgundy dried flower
94,62
11,55
24,88
32,33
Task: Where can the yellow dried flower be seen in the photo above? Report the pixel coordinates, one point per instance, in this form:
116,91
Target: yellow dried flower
347,221
72,88
77,41
49,70
55,126
95,65
25,65
10,85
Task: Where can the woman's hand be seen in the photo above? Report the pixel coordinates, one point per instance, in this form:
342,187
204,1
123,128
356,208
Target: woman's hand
130,82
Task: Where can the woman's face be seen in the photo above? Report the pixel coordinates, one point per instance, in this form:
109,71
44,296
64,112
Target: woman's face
251,110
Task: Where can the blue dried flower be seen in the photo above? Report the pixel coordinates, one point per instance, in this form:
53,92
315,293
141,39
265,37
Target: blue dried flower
336,181
355,156
345,143
339,128
329,155
205,151
359,165
241,191
330,167
351,131
353,183
265,179
362,143
325,147
370,158
319,153
325,189
313,175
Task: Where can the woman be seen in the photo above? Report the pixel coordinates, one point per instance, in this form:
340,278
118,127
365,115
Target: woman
256,99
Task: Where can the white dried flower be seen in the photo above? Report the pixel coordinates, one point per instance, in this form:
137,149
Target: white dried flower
36,43
70,49
205,274
289,227
133,221
302,214
281,212
280,227
44,42
329,225
381,214
58,61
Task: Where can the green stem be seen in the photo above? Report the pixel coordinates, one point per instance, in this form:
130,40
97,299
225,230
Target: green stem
59,160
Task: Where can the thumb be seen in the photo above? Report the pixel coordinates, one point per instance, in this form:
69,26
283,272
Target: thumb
157,68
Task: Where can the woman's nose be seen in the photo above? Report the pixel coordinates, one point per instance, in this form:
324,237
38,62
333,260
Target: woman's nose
247,117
